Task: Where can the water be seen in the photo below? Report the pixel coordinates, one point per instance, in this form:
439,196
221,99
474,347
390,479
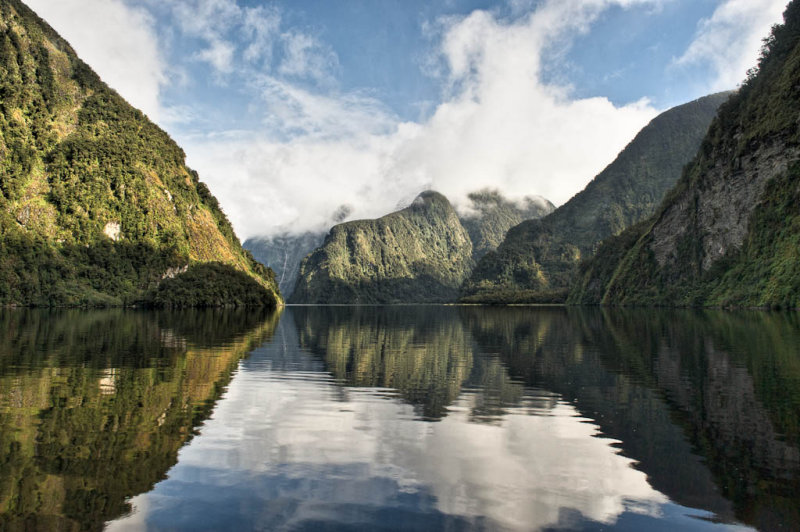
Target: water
400,418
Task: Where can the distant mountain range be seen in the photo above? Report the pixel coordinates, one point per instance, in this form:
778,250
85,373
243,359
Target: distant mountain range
97,207
486,218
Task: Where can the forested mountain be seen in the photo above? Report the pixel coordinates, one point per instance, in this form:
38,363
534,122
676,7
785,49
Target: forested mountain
97,205
419,254
537,261
729,232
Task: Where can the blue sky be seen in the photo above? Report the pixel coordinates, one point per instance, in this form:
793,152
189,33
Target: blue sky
290,109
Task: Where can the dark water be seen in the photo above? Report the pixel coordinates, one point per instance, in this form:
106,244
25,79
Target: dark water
400,418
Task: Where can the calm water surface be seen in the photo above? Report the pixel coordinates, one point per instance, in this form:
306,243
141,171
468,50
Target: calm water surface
400,418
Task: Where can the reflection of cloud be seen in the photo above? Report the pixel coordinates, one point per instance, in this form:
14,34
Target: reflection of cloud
290,436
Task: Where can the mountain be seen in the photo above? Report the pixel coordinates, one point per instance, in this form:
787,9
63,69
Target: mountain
97,205
417,255
487,218
728,234
490,216
538,259
283,253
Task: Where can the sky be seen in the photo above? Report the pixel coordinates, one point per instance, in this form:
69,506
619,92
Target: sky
291,109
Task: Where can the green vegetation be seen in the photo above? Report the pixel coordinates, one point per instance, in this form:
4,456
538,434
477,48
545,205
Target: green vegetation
417,255
728,233
211,284
96,203
543,255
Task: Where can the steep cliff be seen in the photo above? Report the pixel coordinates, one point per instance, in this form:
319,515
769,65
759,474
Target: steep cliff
729,232
419,254
538,259
96,203
283,254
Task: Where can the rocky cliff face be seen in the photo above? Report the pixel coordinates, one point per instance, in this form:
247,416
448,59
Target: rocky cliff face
728,234
538,259
96,202
283,254
419,254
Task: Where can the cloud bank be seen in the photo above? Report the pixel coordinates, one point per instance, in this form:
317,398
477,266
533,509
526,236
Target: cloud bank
499,125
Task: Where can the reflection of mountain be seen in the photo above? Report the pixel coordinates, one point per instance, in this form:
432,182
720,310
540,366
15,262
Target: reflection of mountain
732,383
423,352
296,450
95,405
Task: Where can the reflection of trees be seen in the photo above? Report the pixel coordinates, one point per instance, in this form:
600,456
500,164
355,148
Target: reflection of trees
95,405
733,382
669,384
422,352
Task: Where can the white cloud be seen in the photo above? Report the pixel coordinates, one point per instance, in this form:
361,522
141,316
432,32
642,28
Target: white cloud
306,57
261,25
122,46
219,54
729,41
499,126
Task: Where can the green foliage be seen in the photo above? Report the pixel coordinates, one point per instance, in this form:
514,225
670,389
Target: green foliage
544,254
493,215
76,159
211,284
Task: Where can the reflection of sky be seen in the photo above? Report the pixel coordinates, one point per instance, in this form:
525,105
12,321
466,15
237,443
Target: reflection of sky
288,449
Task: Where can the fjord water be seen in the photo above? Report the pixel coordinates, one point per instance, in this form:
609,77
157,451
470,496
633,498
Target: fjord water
400,418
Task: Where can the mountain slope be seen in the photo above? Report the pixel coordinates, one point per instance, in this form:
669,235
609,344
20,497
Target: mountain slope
729,233
96,203
419,254
491,216
538,259
283,254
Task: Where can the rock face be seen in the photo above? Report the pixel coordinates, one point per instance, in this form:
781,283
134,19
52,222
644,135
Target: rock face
729,233
491,215
419,254
283,254
538,259
96,201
